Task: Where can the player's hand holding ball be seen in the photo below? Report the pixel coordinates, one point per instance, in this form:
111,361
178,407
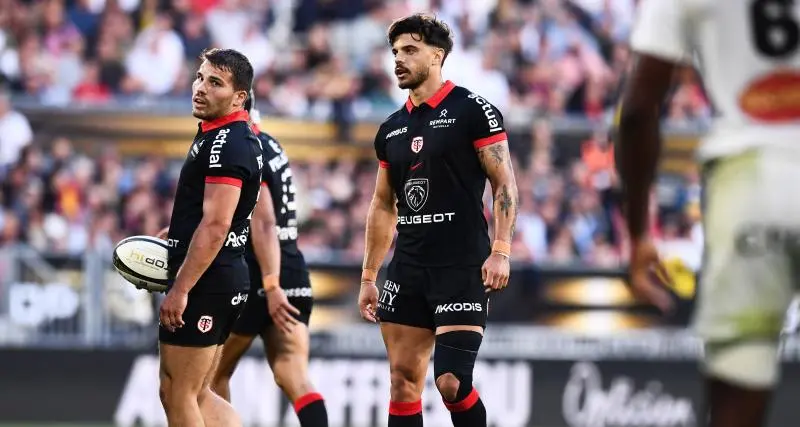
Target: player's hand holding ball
368,296
645,271
172,308
497,268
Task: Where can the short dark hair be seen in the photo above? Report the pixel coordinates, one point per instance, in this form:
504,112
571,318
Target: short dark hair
233,61
432,31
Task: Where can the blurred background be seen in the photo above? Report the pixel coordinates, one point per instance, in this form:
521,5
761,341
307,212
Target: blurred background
95,122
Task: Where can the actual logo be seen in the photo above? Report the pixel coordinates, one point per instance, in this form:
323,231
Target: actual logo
205,324
416,190
416,144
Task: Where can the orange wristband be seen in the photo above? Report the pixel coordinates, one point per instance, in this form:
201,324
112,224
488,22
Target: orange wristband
270,282
369,275
502,248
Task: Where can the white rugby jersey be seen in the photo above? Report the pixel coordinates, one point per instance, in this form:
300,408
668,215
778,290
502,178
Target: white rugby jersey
748,52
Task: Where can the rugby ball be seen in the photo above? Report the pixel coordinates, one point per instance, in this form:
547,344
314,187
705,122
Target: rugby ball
142,260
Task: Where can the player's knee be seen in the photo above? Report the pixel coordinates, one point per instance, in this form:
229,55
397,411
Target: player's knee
751,364
448,384
454,361
403,382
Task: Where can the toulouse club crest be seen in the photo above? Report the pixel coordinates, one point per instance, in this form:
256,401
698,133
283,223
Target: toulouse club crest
205,323
416,144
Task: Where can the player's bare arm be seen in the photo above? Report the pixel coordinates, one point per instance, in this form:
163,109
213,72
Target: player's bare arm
219,204
496,162
637,162
268,253
381,220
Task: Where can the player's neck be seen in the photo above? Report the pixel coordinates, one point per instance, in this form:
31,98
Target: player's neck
426,90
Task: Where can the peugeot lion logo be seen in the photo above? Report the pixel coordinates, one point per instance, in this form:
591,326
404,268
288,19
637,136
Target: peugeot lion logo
416,193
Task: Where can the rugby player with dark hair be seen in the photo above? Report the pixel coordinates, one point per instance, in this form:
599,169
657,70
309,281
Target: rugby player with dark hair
435,155
207,236
277,264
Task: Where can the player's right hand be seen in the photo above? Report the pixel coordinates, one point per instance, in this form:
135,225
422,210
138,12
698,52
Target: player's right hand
368,301
645,270
281,310
172,308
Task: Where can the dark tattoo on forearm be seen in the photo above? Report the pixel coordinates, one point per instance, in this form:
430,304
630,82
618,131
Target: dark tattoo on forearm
505,201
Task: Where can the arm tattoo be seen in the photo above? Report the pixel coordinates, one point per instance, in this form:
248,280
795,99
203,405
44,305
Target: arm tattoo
497,154
505,201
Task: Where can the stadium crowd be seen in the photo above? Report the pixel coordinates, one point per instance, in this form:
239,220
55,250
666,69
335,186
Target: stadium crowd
323,60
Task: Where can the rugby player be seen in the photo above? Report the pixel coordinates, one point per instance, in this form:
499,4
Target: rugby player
435,155
276,262
217,191
749,52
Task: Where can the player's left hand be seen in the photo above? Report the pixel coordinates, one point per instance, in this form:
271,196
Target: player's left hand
495,272
172,308
644,270
281,310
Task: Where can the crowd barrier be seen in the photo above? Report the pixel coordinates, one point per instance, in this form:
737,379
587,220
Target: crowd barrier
601,382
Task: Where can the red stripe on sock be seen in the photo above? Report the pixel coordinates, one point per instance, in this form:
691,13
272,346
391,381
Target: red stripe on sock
405,409
464,405
306,400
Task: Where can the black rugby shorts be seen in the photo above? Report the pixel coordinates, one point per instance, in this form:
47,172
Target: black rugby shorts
255,318
209,317
429,297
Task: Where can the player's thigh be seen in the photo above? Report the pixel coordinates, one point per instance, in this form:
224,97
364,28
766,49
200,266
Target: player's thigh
747,277
183,369
402,299
458,299
409,351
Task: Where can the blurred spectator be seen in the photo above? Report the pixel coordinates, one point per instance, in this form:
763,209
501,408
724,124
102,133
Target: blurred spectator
15,132
546,59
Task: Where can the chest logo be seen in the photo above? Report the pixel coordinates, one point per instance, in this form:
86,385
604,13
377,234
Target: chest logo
416,193
195,150
416,144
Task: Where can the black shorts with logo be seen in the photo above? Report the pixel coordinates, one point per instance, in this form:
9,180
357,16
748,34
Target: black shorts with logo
209,317
255,318
429,297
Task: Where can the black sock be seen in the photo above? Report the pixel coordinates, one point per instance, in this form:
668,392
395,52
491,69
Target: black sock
311,410
405,414
469,412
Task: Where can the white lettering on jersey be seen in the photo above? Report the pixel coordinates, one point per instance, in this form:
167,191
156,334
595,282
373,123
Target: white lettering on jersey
397,132
216,148
488,112
237,240
426,218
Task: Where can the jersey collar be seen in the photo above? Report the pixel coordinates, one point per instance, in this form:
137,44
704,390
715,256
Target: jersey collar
236,116
437,97
255,128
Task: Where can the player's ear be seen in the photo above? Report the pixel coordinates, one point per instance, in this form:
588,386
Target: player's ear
438,56
239,98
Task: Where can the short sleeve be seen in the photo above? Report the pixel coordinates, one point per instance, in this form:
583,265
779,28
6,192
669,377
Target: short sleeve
485,122
230,157
380,149
661,30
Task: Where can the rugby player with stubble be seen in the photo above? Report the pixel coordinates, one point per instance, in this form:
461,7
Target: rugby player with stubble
435,155
208,276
